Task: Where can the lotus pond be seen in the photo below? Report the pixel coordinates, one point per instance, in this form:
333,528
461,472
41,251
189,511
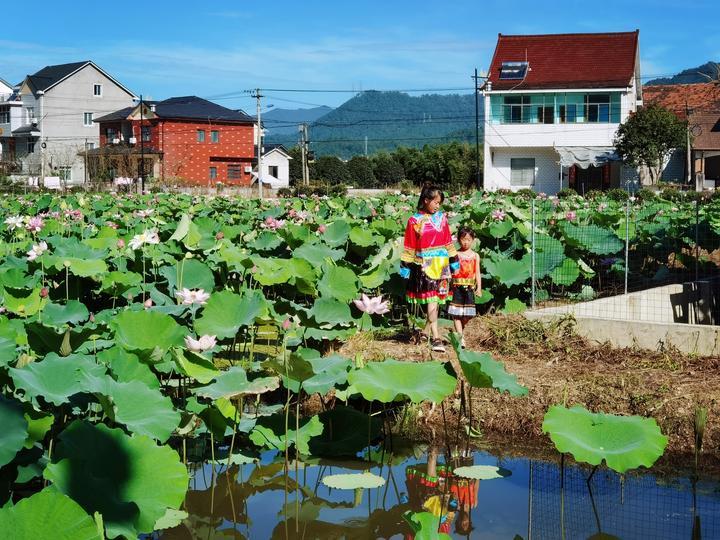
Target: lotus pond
145,337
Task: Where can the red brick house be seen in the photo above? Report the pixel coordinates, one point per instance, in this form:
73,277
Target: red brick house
700,105
185,140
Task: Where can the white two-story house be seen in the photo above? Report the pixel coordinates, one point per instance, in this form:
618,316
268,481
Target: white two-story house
553,104
48,120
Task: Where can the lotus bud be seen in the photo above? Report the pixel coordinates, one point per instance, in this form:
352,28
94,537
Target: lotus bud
44,292
322,229
286,324
219,236
148,303
121,243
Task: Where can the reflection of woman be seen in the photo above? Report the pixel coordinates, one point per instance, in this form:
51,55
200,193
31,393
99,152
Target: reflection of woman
434,488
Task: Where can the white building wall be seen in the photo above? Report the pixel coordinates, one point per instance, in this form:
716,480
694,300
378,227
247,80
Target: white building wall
547,169
279,160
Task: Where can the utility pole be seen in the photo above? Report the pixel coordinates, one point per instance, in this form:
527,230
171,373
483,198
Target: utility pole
142,150
366,139
85,164
688,164
478,180
257,96
302,128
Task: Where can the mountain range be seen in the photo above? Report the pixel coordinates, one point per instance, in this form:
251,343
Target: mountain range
691,75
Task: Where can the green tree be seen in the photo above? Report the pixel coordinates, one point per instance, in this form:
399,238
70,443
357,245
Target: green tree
295,165
648,138
387,169
361,172
331,170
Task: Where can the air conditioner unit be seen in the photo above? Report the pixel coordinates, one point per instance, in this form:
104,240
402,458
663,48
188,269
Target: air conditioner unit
248,169
116,141
132,140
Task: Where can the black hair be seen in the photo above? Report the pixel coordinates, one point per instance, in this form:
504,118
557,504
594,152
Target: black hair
428,193
463,231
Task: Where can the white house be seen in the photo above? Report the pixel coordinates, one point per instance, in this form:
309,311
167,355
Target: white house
553,104
50,119
275,166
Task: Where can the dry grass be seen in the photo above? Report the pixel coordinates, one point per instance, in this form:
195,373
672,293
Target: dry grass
558,366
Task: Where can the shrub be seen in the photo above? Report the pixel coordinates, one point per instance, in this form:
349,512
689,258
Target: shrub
646,194
526,193
567,193
618,195
671,194
284,192
594,194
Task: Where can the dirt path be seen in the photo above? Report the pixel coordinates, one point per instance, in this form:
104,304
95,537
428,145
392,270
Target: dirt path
558,366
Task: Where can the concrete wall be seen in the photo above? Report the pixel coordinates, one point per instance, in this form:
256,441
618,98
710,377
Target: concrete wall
279,160
547,168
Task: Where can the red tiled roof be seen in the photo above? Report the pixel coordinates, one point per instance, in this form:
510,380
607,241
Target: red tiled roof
566,61
704,101
676,97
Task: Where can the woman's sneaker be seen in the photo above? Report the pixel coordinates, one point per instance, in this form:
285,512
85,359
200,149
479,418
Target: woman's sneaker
437,345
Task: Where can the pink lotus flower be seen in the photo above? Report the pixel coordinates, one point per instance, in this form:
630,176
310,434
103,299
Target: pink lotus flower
203,344
44,292
322,229
121,244
188,297
35,224
37,250
498,215
570,215
372,306
286,324
148,303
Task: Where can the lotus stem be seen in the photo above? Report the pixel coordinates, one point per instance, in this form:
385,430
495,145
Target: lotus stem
700,423
232,441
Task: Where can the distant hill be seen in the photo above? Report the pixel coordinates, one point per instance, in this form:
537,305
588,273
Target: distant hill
286,121
390,120
690,76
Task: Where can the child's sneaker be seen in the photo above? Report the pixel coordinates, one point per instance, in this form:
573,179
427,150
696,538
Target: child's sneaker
437,345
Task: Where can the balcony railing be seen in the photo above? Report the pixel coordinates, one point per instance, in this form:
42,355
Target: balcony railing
587,113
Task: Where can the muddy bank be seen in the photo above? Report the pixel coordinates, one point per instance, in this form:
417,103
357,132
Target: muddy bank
558,366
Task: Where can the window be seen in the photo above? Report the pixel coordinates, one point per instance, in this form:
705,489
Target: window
517,109
215,136
200,135
568,113
110,134
234,172
31,146
513,70
145,133
89,146
546,115
65,173
97,89
273,170
88,119
213,173
597,107
4,115
30,114
522,171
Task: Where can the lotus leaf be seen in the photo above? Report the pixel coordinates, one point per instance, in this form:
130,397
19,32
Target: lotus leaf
226,312
48,514
425,526
338,283
189,274
82,267
336,234
565,274
271,271
127,367
234,383
482,371
56,378
269,432
481,472
330,372
195,366
345,432
147,330
624,442
303,276
329,310
513,305
38,424
266,241
500,229
25,306
549,255
316,254
363,237
597,240
365,480
509,272
392,379
131,481
73,312
14,430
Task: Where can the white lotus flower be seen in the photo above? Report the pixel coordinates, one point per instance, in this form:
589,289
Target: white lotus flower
14,222
195,296
146,237
37,250
372,306
203,344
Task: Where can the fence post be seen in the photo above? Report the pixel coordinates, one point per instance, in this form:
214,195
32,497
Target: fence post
532,253
627,243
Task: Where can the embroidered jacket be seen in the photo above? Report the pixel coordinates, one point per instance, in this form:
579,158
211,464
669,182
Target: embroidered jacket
429,244
466,274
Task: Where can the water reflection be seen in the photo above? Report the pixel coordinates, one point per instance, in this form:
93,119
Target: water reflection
541,500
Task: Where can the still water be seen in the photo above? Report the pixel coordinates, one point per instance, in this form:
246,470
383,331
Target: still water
539,500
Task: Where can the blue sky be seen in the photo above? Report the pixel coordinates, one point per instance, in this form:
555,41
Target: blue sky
216,48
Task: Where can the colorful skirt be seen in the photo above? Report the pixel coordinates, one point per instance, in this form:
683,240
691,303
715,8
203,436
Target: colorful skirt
422,289
463,302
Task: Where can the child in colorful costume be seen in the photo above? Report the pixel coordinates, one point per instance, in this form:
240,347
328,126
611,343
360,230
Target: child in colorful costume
429,259
466,283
